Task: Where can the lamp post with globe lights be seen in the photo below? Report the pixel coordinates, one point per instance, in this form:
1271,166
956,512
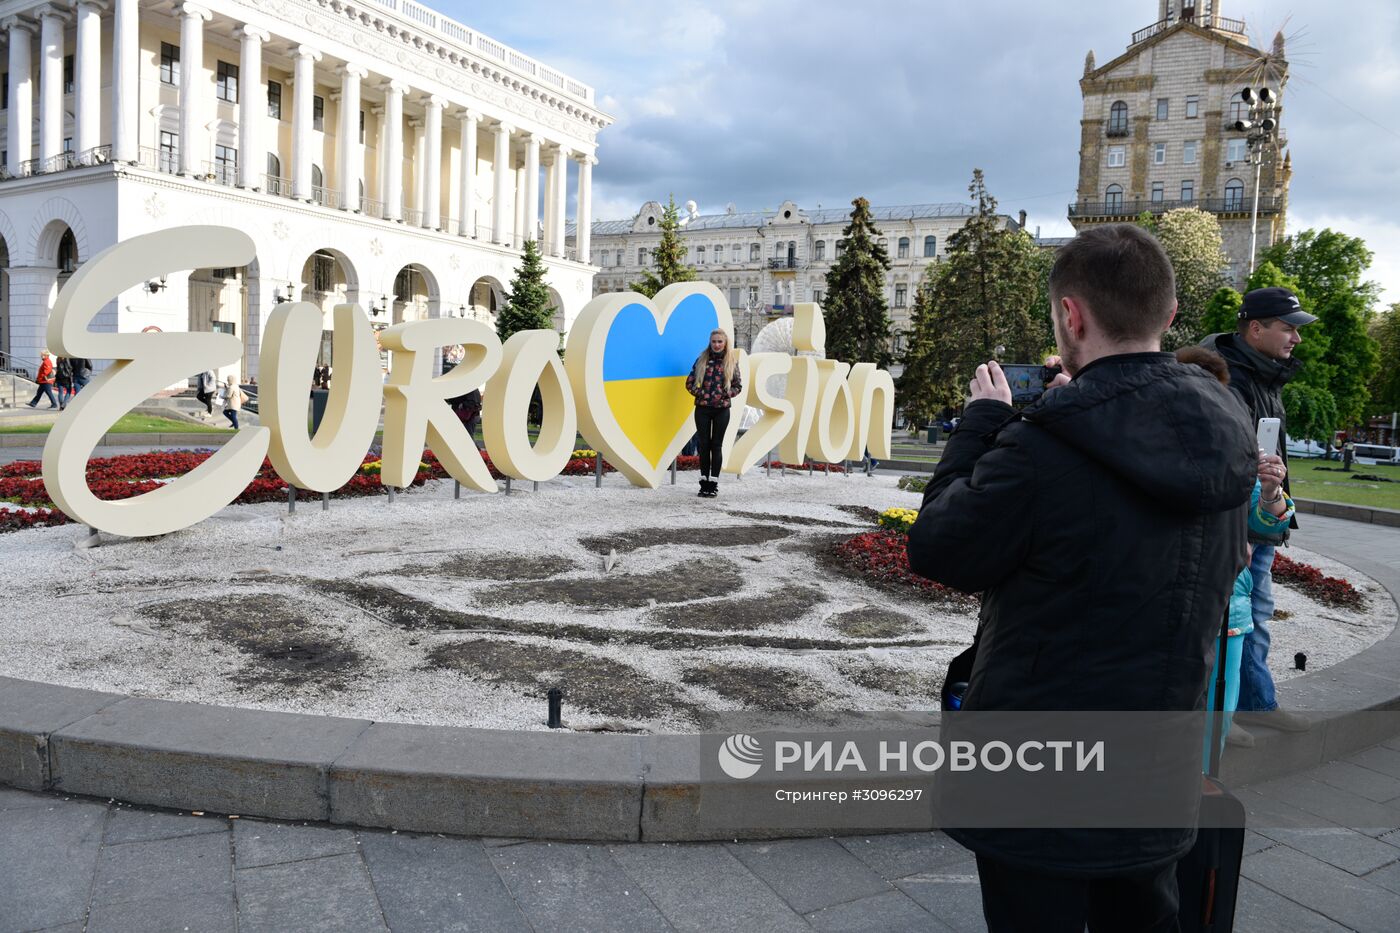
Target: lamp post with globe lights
1262,128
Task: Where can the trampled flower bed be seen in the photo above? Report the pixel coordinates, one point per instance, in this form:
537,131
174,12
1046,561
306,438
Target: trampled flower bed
1333,591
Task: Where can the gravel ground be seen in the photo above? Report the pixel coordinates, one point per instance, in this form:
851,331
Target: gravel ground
465,612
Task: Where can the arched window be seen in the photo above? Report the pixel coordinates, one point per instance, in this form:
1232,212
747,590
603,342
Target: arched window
903,248
840,248
274,166
1113,198
820,248
930,246
1239,110
1234,195
1118,119
68,252
318,192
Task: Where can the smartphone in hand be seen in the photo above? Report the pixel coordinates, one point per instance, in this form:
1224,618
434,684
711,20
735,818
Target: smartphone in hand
1267,435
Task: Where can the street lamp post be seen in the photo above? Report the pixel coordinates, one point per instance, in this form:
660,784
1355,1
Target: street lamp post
1262,127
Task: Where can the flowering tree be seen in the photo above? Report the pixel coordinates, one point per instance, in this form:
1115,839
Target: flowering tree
1192,240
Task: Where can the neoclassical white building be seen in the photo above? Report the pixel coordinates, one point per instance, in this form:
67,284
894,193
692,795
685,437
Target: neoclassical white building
375,150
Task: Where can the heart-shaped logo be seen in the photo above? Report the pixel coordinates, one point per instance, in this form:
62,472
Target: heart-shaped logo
627,358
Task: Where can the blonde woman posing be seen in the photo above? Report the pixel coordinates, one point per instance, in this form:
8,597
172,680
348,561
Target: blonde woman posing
714,380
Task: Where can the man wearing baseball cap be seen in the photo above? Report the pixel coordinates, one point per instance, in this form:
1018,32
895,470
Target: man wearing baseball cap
1260,357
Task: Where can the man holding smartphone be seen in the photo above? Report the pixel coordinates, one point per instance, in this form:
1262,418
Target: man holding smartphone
1260,357
1103,526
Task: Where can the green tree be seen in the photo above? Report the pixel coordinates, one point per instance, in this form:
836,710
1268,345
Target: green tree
1312,413
990,291
1385,385
1192,241
669,256
1329,266
857,317
1222,311
527,306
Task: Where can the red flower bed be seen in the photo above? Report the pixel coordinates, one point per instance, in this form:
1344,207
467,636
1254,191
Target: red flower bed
13,520
883,556
1334,591
816,467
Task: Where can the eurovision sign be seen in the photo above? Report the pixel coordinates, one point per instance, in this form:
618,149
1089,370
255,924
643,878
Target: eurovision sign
621,385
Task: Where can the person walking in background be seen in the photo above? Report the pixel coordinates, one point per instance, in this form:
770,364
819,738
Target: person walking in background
204,390
45,380
1260,357
714,381
63,381
467,408
82,373
232,399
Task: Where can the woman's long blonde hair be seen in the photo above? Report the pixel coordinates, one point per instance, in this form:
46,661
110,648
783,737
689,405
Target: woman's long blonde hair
731,360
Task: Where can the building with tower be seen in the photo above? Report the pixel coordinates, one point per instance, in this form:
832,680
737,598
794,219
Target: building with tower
1158,129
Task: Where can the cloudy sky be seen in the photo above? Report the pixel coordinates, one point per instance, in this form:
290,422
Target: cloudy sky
822,100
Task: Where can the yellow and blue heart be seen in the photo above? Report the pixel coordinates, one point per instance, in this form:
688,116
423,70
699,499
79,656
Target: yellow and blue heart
644,369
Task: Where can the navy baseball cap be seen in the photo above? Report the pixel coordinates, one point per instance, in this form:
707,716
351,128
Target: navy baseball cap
1274,302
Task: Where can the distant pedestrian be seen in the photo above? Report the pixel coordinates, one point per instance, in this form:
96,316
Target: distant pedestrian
714,380
468,410
204,390
233,399
82,373
63,381
45,380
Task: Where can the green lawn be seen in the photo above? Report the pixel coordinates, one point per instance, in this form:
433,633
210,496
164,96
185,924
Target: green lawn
133,424
1309,480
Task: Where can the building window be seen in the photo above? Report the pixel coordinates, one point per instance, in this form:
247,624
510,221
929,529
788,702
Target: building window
1188,190
1163,107
840,248
169,152
930,247
753,294
68,252
68,144
1117,156
755,252
169,63
901,295
68,74
1159,153
323,274
274,166
603,258
274,99
1118,119
819,250
735,252
1234,195
362,127
780,250
903,248
5,91
1188,152
318,112
1157,192
226,164
226,83
318,182
1236,150
699,255
1192,106
641,255
818,296
1238,109
1113,197
734,296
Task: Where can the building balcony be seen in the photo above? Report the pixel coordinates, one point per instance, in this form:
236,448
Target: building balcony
784,264
1117,132
1124,208
1205,21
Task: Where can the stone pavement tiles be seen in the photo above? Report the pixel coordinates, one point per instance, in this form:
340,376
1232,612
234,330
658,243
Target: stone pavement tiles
1323,853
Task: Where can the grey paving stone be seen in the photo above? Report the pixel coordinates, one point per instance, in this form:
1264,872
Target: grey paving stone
1387,877
48,856
1259,910
891,912
1364,782
1336,894
207,913
705,888
809,873
1345,848
1256,842
76,926
131,825
575,887
13,799
324,895
260,842
1332,804
902,854
428,884
187,866
1382,758
951,894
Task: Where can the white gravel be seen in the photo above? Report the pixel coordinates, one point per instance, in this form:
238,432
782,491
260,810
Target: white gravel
75,616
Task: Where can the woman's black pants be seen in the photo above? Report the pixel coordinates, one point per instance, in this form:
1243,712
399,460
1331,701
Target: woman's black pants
710,425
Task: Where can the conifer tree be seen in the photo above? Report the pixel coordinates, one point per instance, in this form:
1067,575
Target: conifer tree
857,317
528,306
669,256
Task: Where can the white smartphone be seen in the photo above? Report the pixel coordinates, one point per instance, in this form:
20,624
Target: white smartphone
1268,435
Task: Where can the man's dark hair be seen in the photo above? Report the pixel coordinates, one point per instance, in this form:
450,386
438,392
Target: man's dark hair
1123,275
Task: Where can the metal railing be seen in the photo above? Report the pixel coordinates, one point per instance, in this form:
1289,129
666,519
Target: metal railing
221,173
788,262
97,155
160,160
1205,21
372,208
1117,131
412,216
1131,208
277,186
329,197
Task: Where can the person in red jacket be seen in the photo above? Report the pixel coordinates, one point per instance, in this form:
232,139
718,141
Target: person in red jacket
45,379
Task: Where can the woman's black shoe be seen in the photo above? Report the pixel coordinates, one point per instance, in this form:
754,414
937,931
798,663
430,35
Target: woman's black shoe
704,489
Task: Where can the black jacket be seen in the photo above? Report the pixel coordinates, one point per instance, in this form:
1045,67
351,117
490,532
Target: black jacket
1259,381
1104,528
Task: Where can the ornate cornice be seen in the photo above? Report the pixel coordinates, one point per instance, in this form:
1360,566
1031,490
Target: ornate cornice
1128,84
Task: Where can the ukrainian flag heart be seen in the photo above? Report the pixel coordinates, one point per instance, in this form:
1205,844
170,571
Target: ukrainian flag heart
627,358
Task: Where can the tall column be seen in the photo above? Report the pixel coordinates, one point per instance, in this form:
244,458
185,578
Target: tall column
252,106
502,176
87,75
303,90
21,103
126,77
377,110
561,199
416,160
432,171
584,217
194,138
532,187
393,149
549,221
517,229
466,194
52,22
350,155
